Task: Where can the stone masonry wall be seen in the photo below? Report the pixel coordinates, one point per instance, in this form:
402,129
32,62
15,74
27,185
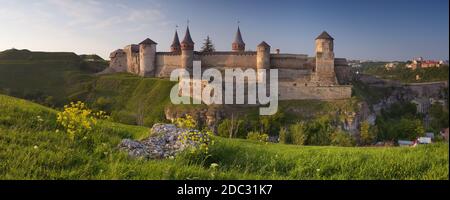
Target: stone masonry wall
228,59
293,91
166,63
289,61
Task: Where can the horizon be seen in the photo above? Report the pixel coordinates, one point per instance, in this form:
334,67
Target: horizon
383,30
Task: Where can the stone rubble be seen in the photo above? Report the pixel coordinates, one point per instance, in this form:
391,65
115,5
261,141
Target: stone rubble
164,142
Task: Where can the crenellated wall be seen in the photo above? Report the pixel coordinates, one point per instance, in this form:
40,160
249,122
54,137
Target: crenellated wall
290,61
227,59
166,62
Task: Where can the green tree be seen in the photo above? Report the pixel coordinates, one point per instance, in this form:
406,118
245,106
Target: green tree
319,131
439,117
408,128
366,135
208,46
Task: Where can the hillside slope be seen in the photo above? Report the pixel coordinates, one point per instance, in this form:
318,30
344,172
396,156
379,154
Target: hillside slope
31,148
45,77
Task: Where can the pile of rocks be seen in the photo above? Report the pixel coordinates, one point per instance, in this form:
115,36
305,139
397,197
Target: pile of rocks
163,142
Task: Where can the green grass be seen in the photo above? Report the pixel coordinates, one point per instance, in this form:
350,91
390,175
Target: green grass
40,75
32,150
131,99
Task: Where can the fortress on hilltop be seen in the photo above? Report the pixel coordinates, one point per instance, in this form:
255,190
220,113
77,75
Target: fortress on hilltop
300,76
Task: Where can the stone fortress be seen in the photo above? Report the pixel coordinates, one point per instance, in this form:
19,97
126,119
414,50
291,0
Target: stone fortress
300,76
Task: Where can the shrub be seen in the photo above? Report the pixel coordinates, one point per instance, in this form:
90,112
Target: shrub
78,120
231,128
318,131
366,134
202,139
260,137
340,138
297,133
186,122
271,124
284,136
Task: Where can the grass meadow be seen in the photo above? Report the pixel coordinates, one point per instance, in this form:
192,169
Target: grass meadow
33,147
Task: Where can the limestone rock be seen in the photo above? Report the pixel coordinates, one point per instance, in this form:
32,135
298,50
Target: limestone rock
163,142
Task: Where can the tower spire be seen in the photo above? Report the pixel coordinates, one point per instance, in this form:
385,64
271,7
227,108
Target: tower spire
187,42
175,47
238,43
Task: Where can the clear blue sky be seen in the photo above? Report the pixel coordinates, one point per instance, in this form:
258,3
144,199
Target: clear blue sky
363,29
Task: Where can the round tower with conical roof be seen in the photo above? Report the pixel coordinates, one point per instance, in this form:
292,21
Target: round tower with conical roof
175,47
187,52
238,44
147,58
325,59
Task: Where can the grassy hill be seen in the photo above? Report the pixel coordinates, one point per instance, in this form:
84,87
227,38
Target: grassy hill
31,148
130,99
45,77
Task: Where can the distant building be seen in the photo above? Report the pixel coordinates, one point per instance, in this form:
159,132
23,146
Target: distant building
354,63
421,63
391,65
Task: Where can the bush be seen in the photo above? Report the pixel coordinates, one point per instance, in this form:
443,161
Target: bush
231,129
284,136
78,120
297,134
366,134
202,139
271,124
318,132
257,136
340,138
186,122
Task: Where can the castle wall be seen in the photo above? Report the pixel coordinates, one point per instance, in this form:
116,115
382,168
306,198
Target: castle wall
228,59
293,91
118,61
132,52
298,75
289,61
166,63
